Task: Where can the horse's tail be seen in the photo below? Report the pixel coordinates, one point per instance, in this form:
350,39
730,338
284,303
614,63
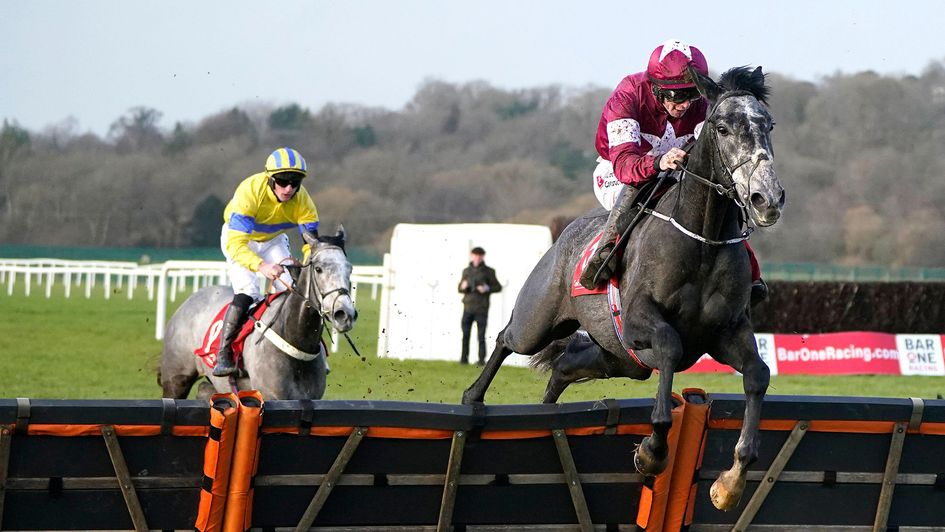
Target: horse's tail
544,360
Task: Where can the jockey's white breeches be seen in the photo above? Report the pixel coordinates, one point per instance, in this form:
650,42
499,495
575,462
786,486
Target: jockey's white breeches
606,186
247,282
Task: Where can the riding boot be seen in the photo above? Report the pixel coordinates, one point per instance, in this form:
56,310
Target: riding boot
759,292
620,217
232,323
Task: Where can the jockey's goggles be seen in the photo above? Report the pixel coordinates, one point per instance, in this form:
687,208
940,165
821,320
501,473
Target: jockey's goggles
285,182
679,95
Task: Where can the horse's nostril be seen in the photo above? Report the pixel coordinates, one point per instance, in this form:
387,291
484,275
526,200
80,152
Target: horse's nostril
340,316
781,199
758,201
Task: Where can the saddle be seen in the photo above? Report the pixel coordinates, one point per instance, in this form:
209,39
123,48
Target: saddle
211,339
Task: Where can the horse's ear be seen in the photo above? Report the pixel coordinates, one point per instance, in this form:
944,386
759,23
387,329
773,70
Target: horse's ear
758,76
340,233
758,80
310,238
706,86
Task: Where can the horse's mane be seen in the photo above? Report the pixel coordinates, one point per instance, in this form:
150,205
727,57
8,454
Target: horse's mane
744,78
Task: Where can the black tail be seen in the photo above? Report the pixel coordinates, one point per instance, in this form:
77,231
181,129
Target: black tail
544,360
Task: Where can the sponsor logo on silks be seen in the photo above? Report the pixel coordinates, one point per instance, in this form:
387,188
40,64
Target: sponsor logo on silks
920,354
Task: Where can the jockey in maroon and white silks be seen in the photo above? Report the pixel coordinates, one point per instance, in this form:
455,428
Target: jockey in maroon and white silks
635,130
645,123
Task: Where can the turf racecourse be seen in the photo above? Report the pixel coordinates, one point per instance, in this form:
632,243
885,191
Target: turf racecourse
94,348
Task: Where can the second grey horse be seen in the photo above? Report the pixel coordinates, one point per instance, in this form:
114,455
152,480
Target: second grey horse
295,368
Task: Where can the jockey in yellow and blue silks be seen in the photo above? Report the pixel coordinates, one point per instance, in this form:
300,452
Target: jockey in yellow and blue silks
253,238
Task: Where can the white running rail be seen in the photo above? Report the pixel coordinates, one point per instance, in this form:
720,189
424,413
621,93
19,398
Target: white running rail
167,279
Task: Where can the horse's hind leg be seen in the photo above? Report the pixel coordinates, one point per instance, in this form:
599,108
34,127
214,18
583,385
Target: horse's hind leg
477,390
741,352
581,359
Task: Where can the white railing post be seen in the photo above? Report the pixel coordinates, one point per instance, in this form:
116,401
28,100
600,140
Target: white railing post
67,282
161,303
173,289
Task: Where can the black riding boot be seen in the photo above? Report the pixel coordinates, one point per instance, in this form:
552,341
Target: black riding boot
620,217
232,323
759,292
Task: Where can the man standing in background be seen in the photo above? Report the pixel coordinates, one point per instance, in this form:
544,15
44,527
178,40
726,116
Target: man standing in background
477,284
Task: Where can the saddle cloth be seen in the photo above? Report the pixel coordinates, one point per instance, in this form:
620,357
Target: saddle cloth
576,288
211,339
612,289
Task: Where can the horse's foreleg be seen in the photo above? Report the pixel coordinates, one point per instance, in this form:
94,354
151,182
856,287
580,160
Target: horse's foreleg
652,455
477,390
727,490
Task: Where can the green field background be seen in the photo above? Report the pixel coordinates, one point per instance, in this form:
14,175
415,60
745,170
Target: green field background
98,348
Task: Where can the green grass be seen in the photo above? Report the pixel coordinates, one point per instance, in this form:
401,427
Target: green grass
95,348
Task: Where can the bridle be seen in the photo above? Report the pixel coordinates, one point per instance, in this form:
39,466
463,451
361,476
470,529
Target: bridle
314,289
728,190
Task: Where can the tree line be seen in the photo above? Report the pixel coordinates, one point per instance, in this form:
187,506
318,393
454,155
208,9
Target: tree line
860,156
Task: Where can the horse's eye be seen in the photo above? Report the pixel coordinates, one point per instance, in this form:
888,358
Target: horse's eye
318,269
771,127
722,130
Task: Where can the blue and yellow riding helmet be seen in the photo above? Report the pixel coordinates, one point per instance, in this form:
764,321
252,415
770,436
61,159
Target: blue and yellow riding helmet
286,160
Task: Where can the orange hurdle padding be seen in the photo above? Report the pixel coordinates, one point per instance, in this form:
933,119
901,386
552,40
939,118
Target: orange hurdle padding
655,492
239,499
224,408
682,490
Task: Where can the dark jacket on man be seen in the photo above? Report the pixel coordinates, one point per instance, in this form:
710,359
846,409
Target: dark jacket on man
473,301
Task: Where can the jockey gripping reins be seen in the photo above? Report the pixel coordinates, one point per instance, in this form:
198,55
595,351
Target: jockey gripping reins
722,189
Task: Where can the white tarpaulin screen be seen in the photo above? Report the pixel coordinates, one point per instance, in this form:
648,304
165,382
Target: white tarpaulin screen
421,306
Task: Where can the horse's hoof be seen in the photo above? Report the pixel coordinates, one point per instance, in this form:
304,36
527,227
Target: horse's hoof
726,497
646,463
